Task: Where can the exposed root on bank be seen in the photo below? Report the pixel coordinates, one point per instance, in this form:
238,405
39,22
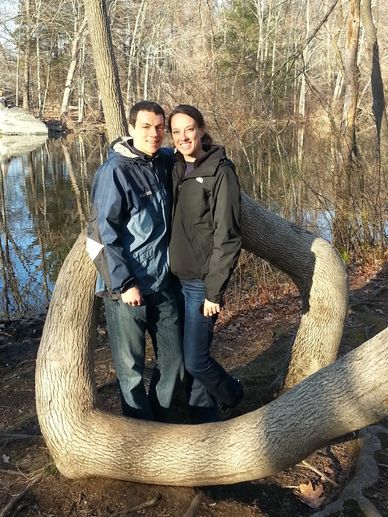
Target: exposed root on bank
366,474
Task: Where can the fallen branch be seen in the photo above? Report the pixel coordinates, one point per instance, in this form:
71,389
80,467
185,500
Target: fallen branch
27,418
19,436
138,507
105,384
9,507
13,472
305,464
146,504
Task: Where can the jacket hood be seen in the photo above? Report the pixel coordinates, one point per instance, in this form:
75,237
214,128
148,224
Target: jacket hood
207,164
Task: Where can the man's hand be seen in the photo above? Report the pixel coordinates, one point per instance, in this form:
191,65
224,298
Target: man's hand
132,297
210,308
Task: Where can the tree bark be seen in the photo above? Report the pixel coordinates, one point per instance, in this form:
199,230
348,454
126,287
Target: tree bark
27,55
352,78
106,68
78,31
348,156
38,5
318,271
81,86
135,40
378,106
345,396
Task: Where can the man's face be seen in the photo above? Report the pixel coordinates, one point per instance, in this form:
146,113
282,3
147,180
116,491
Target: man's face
148,132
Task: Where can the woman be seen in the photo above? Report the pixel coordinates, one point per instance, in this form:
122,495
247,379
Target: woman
205,245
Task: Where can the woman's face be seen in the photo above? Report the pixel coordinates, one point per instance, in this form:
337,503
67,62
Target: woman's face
186,136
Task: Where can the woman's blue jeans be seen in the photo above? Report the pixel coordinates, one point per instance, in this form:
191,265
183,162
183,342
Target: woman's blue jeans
127,326
211,384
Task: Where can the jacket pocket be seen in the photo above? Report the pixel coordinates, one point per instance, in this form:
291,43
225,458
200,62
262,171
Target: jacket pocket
202,243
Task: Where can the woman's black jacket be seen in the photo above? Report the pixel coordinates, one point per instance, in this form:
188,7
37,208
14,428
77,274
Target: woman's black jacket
206,235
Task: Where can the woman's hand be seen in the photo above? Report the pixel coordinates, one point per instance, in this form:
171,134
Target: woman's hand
210,308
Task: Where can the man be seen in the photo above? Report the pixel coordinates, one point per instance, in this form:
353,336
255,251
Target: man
128,241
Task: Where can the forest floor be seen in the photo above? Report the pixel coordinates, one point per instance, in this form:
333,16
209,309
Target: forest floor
251,341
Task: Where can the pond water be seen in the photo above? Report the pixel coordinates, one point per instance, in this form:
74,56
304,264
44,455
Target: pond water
44,200
44,204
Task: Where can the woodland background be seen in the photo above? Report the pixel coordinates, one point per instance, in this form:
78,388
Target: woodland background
298,83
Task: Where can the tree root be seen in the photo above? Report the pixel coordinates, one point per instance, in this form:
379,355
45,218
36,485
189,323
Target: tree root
366,474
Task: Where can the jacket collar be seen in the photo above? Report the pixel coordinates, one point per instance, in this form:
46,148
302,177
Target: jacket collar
207,164
124,146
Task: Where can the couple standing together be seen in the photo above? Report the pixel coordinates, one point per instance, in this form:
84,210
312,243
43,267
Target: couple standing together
155,212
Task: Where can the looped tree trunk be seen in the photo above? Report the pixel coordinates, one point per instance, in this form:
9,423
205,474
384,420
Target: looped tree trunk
340,398
318,271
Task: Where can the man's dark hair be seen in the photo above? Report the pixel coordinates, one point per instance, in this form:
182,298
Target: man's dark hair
153,107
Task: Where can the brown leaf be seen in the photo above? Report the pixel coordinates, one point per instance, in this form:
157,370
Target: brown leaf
310,495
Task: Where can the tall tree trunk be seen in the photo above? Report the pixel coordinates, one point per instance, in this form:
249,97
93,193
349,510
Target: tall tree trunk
48,71
343,234
78,31
19,50
38,5
27,53
132,51
302,93
378,106
81,85
106,68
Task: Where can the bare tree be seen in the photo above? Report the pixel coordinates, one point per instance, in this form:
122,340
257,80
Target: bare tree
78,32
348,155
27,55
376,81
106,68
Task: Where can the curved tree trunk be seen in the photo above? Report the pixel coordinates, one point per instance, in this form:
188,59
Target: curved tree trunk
347,395
318,271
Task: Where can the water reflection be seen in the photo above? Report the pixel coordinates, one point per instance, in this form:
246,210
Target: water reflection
44,201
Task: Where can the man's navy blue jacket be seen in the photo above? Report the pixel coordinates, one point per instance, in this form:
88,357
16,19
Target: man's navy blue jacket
130,218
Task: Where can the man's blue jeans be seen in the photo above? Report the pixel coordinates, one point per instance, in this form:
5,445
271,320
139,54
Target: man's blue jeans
127,326
211,384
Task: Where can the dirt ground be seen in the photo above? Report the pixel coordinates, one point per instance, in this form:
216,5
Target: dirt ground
251,341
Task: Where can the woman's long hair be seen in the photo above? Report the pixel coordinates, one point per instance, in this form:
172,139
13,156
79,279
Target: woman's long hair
195,114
